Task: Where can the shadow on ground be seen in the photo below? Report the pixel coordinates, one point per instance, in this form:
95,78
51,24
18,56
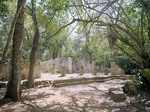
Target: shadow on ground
81,98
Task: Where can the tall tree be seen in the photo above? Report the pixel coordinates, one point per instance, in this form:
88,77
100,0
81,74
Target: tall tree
35,45
14,83
9,39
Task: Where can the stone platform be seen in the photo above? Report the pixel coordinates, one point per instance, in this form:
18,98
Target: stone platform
55,80
74,79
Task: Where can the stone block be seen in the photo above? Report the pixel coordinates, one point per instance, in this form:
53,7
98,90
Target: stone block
93,66
113,68
118,96
70,65
53,68
63,71
81,70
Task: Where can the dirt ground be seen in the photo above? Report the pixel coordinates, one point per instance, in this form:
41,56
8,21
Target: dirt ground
92,97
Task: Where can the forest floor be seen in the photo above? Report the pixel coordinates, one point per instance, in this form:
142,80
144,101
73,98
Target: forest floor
92,97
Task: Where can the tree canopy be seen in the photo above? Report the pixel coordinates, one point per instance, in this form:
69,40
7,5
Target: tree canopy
124,24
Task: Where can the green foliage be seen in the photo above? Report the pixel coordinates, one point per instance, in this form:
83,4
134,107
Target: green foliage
91,45
130,68
3,8
138,75
54,5
101,52
91,42
5,24
146,74
50,16
125,64
131,36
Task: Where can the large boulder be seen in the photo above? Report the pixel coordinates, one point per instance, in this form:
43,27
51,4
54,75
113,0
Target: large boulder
118,96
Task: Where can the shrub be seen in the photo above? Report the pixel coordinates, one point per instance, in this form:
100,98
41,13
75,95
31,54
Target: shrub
146,74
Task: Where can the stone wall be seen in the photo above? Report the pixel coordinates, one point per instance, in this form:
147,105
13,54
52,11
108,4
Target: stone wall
115,70
5,71
46,66
71,65
25,69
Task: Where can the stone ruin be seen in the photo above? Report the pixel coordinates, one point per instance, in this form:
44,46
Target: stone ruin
63,66
55,66
81,67
115,70
25,69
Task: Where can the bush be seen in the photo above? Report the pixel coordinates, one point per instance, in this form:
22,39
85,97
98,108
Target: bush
146,74
137,73
126,65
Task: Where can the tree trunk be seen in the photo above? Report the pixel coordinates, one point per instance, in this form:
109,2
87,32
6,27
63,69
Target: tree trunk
55,52
10,36
34,50
14,83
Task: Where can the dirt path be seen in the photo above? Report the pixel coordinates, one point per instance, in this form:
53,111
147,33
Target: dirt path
78,98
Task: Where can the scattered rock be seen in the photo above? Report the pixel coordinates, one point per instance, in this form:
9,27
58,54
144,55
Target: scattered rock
38,84
118,96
